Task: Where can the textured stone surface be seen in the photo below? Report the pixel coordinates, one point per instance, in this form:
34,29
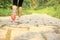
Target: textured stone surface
24,32
30,27
33,19
3,33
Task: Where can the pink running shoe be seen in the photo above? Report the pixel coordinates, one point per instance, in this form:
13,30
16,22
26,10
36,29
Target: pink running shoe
13,16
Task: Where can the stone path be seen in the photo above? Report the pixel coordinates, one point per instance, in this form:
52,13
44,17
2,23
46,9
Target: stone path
30,27
34,19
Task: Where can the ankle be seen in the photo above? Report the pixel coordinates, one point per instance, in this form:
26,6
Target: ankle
13,12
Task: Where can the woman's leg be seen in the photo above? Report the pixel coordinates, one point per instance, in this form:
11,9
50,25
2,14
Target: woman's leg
20,7
13,16
14,6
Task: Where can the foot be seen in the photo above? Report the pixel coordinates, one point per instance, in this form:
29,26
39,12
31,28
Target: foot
13,16
17,20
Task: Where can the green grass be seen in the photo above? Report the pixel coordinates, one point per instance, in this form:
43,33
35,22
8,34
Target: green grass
49,11
52,11
5,12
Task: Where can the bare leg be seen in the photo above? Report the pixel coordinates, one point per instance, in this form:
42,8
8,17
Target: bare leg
14,8
19,11
13,16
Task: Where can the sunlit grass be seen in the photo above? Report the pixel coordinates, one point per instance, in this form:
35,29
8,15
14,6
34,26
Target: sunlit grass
48,10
